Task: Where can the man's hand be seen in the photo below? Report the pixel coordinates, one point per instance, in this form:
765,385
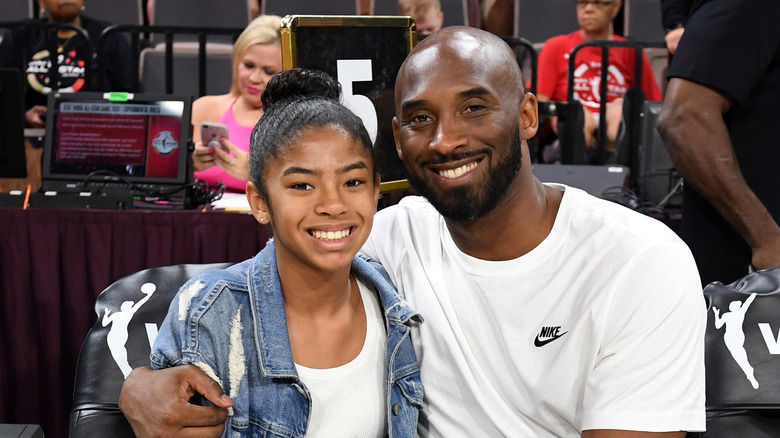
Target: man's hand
672,39
156,403
766,255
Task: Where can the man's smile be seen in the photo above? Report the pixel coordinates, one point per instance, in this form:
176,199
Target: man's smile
457,165
458,171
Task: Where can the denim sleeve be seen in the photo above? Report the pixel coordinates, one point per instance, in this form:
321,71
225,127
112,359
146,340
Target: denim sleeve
172,339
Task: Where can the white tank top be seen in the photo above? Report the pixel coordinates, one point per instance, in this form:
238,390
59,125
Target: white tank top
349,400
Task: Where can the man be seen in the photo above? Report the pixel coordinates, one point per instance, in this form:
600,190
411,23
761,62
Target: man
719,122
28,50
595,19
427,14
548,313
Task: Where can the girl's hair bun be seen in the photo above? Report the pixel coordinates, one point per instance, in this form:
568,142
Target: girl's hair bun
299,83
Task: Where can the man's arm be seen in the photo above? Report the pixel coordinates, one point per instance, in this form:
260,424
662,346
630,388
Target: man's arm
630,434
156,403
692,126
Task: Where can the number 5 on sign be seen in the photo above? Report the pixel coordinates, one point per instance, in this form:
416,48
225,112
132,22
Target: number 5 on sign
357,70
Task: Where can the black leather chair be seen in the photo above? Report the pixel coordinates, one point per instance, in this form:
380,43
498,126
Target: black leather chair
129,313
742,357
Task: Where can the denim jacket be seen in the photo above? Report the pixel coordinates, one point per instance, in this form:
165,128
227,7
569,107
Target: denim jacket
231,323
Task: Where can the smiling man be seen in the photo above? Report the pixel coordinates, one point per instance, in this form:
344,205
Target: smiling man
548,312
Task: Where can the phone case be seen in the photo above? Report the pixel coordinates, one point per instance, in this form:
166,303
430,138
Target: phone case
211,132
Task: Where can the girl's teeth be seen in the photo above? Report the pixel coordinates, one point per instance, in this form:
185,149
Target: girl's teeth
331,235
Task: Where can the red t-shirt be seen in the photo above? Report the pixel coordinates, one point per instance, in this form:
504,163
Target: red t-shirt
552,74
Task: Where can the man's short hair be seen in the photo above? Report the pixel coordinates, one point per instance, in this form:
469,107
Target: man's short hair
418,8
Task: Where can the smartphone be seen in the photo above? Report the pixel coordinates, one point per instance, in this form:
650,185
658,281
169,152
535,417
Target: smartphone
211,132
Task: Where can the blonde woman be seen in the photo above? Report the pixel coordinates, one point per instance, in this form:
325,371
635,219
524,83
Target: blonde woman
257,55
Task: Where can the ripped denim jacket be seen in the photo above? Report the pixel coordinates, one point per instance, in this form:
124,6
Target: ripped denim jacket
269,399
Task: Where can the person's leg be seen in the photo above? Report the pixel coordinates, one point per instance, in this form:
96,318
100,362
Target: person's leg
364,7
614,115
499,19
254,8
588,126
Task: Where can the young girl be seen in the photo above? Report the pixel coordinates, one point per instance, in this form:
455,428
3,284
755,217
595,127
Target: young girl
305,338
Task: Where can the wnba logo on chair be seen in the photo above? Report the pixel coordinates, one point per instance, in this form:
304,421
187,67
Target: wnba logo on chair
119,332
731,320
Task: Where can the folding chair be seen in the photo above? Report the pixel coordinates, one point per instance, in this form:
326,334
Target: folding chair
115,12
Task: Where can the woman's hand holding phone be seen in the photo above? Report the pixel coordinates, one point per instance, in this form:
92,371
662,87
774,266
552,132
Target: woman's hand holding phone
212,133
202,157
215,149
232,160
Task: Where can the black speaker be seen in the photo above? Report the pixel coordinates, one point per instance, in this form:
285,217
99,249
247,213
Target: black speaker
596,180
657,176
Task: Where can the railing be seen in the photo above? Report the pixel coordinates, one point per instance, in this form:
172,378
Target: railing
631,159
140,37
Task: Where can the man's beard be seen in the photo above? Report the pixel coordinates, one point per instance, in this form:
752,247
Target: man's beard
467,204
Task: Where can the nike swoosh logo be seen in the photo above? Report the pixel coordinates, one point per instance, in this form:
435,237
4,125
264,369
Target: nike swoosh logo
542,343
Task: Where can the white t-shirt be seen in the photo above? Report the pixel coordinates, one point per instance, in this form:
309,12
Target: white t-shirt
600,326
349,400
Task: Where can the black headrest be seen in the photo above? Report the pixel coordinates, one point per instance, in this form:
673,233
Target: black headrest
742,357
129,313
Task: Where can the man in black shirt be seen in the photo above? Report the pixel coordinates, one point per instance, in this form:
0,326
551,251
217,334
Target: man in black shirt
720,124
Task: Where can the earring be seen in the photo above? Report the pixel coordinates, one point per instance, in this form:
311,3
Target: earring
263,219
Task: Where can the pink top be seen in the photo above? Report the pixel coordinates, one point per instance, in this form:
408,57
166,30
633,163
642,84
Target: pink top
239,136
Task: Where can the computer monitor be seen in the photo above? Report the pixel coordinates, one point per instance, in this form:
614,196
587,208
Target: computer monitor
13,163
118,141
